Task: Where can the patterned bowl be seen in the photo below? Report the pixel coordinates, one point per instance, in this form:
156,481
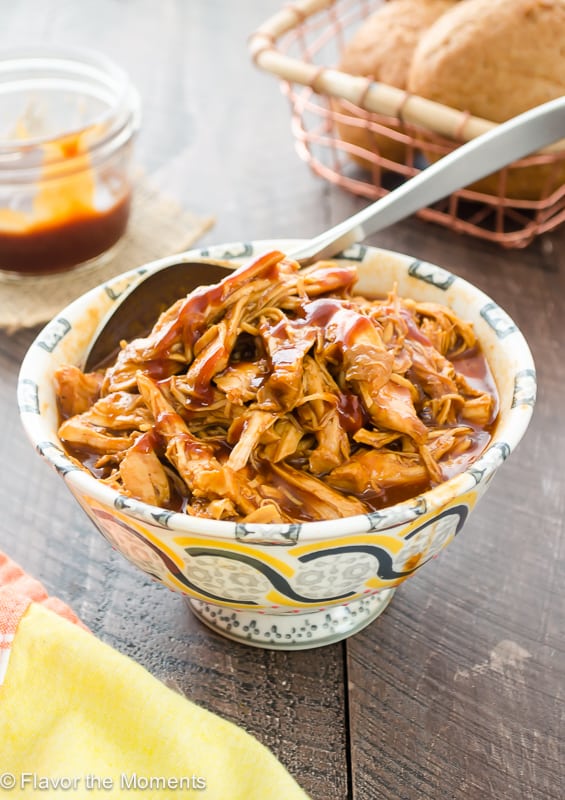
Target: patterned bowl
286,586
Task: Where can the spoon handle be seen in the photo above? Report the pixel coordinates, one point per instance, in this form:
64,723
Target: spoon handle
481,156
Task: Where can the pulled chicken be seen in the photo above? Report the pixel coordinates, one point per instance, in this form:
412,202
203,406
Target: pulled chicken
280,395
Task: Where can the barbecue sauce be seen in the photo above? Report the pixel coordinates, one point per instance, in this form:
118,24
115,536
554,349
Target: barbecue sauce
70,216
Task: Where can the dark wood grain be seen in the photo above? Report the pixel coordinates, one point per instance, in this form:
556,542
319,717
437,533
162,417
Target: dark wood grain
457,690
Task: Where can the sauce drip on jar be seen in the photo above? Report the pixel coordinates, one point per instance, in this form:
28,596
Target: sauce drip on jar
72,214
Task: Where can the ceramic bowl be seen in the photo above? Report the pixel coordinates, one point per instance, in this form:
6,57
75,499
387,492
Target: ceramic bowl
287,586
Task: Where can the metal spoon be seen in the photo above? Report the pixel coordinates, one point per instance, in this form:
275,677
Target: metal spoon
140,305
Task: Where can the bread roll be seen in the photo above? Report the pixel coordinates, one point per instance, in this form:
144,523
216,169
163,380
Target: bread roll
495,59
382,49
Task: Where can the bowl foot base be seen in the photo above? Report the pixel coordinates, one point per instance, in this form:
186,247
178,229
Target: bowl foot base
292,631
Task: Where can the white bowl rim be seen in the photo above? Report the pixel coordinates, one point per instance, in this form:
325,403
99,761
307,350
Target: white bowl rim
508,433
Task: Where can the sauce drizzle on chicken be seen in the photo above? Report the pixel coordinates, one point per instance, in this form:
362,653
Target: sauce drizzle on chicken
279,395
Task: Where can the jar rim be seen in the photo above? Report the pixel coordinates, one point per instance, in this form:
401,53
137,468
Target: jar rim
76,70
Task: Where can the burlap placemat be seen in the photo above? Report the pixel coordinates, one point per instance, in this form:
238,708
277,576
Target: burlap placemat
158,227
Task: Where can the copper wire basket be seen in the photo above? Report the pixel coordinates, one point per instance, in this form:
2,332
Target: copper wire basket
301,43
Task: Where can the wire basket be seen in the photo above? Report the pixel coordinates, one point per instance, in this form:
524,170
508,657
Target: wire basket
302,42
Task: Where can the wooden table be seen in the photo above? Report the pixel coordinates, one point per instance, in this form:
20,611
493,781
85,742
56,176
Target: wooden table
457,690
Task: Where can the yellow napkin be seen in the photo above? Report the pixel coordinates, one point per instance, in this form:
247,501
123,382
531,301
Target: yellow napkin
80,720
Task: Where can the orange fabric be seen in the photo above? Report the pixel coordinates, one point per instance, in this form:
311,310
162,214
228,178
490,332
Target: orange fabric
17,591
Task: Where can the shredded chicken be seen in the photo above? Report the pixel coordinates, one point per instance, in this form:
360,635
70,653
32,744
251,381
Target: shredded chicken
278,395
76,391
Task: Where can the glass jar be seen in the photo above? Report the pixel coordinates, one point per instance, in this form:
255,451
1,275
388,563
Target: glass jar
68,119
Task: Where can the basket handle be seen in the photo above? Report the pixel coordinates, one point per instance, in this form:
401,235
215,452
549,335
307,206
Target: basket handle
370,95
